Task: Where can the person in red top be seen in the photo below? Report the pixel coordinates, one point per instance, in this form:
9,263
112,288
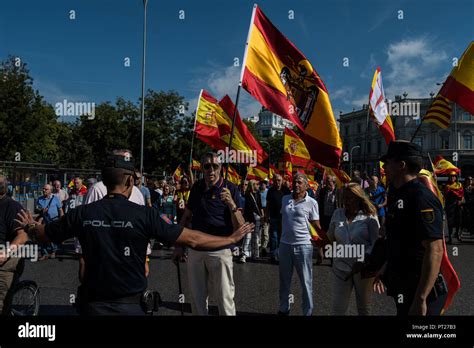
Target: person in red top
79,188
453,195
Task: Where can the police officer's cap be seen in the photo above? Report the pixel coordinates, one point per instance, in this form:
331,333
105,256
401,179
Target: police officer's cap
120,162
400,150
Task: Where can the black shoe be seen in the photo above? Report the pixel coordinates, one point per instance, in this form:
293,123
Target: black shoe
264,252
283,314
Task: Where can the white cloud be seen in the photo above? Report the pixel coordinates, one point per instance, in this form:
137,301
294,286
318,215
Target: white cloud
412,66
221,81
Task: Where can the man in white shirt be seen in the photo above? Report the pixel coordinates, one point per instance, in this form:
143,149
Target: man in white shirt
296,250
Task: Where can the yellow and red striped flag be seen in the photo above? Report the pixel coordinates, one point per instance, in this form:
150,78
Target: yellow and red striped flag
257,173
195,165
294,149
341,176
459,86
383,177
379,108
233,176
280,77
178,173
444,167
439,112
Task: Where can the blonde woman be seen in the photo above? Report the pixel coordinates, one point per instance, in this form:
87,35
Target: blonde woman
354,230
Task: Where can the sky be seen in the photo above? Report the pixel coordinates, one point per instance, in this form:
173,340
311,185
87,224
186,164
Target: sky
83,59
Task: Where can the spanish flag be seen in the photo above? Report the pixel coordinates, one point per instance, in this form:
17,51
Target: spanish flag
379,108
295,150
272,172
280,77
195,165
341,176
209,115
439,112
383,177
178,173
446,268
243,139
459,86
444,167
257,173
233,176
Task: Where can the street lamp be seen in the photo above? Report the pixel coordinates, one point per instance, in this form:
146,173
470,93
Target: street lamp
145,2
350,163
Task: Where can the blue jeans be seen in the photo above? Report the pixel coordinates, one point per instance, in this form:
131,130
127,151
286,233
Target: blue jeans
301,258
49,248
274,235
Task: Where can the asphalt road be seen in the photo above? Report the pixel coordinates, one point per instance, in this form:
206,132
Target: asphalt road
256,285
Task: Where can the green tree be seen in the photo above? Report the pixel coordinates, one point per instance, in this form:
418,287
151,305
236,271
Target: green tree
28,125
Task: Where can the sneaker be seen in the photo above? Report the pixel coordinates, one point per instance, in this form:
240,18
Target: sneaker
242,259
43,258
52,256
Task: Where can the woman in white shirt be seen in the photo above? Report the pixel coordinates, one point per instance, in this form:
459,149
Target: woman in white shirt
352,232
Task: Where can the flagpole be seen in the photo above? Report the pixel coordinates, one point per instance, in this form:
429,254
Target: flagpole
366,134
145,2
239,87
194,129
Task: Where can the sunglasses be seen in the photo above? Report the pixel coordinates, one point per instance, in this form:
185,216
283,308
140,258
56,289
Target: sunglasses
208,166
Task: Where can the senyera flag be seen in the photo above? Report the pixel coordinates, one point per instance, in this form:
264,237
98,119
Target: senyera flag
379,108
459,86
280,77
243,139
443,167
439,113
446,268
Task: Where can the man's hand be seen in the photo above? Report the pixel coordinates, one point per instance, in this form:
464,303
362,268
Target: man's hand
379,286
178,255
25,218
418,307
241,232
226,197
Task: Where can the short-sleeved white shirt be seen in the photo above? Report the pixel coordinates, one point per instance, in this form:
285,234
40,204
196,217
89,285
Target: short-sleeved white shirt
296,218
363,230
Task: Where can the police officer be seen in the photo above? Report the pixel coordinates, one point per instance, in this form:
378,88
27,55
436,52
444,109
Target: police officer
414,226
114,233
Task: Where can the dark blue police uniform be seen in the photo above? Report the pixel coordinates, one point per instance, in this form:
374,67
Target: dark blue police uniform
114,234
414,214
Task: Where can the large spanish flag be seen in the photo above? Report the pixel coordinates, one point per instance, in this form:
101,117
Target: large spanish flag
459,86
209,115
243,139
443,167
379,108
280,77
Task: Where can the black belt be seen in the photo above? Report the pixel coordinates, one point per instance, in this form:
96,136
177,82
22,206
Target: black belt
131,299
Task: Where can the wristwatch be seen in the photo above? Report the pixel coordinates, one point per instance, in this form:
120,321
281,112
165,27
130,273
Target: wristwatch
235,209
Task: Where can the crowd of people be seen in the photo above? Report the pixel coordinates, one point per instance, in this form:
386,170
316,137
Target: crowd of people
292,223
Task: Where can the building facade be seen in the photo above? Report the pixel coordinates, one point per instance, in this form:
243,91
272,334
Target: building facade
269,124
367,145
